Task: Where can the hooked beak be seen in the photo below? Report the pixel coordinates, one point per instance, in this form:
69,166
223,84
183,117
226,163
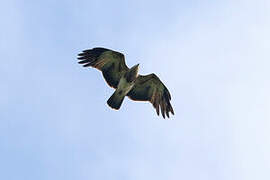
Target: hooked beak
136,68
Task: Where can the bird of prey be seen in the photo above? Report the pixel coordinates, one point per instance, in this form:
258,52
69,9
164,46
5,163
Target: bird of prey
127,81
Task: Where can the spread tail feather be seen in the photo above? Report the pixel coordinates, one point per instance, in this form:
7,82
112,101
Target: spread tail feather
115,100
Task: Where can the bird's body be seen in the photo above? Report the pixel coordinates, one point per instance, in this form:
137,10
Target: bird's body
126,83
126,80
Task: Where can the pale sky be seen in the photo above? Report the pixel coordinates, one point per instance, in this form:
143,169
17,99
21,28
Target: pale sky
214,57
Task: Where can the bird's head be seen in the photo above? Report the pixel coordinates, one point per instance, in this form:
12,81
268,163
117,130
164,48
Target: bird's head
132,73
135,69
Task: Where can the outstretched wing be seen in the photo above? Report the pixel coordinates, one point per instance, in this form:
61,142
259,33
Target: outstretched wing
150,88
111,63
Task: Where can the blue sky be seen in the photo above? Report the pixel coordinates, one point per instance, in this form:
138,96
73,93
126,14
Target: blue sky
212,55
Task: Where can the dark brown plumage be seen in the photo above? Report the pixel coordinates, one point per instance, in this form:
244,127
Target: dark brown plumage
126,81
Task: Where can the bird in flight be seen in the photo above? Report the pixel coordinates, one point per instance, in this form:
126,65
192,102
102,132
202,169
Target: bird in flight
127,81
